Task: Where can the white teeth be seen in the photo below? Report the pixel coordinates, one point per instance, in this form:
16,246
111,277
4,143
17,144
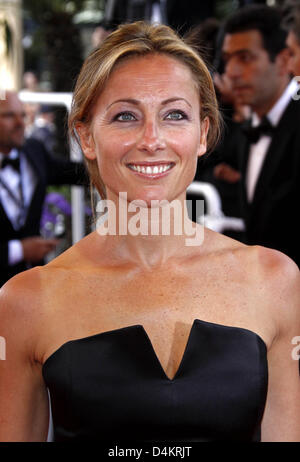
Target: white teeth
150,170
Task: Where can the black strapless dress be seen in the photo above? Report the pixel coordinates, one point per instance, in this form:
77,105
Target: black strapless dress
111,386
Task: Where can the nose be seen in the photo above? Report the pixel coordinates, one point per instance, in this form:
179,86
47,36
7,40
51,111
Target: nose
233,69
290,65
19,120
152,139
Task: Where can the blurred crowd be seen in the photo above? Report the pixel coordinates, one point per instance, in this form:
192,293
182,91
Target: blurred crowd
254,57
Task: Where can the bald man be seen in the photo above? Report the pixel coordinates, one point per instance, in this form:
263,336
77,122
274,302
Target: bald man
26,169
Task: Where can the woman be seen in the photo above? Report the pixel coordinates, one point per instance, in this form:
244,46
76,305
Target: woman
145,335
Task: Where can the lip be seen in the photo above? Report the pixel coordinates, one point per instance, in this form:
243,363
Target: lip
151,164
241,88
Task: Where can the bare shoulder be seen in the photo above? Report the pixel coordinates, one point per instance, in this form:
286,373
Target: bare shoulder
270,265
280,271
19,291
25,302
277,278
23,394
19,312
271,276
26,291
282,407
30,295
272,268
284,277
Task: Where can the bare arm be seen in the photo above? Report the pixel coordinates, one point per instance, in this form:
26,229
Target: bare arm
23,395
281,420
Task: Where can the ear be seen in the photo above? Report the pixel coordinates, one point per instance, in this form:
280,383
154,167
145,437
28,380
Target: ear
282,60
86,140
204,127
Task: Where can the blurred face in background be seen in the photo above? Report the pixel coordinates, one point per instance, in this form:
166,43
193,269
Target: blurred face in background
12,125
256,80
30,81
293,45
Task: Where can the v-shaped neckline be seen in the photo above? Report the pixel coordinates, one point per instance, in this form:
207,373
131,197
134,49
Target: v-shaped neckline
157,361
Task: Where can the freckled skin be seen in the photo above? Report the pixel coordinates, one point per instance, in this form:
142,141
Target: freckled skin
103,283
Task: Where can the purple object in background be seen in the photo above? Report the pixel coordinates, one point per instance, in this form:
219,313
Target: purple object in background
55,206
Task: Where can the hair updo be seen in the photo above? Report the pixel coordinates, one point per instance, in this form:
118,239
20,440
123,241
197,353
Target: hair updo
134,40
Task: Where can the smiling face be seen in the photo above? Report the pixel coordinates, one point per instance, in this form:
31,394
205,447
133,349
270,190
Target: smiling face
145,130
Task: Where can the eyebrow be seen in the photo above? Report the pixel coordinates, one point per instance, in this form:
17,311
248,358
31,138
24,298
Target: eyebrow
234,53
171,100
12,113
137,102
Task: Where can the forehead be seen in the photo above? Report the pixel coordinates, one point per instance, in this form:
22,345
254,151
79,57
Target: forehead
11,103
292,40
247,40
154,74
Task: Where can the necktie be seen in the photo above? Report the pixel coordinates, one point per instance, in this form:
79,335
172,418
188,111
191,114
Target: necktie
254,133
15,191
15,163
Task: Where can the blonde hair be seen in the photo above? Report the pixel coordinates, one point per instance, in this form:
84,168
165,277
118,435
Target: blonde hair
134,40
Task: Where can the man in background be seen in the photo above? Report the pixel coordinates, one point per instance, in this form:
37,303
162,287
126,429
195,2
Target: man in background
256,62
26,168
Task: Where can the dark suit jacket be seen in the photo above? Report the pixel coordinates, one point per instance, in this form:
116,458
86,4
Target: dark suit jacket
272,217
49,170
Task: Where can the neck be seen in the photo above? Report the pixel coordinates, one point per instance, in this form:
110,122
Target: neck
149,236
265,107
5,150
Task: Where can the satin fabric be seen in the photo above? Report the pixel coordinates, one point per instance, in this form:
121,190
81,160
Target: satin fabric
111,386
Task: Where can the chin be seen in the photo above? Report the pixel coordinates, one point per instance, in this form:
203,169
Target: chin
143,201
147,196
243,101
18,143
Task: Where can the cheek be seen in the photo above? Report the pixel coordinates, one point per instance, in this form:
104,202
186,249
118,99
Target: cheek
113,145
185,140
193,142
260,71
7,127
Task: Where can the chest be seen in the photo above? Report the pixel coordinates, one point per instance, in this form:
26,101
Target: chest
166,305
119,388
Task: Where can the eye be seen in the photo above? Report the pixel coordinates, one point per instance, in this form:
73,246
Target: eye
246,57
124,117
176,115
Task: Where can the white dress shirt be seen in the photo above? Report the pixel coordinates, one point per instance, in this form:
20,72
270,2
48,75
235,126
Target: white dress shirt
13,180
259,150
158,12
